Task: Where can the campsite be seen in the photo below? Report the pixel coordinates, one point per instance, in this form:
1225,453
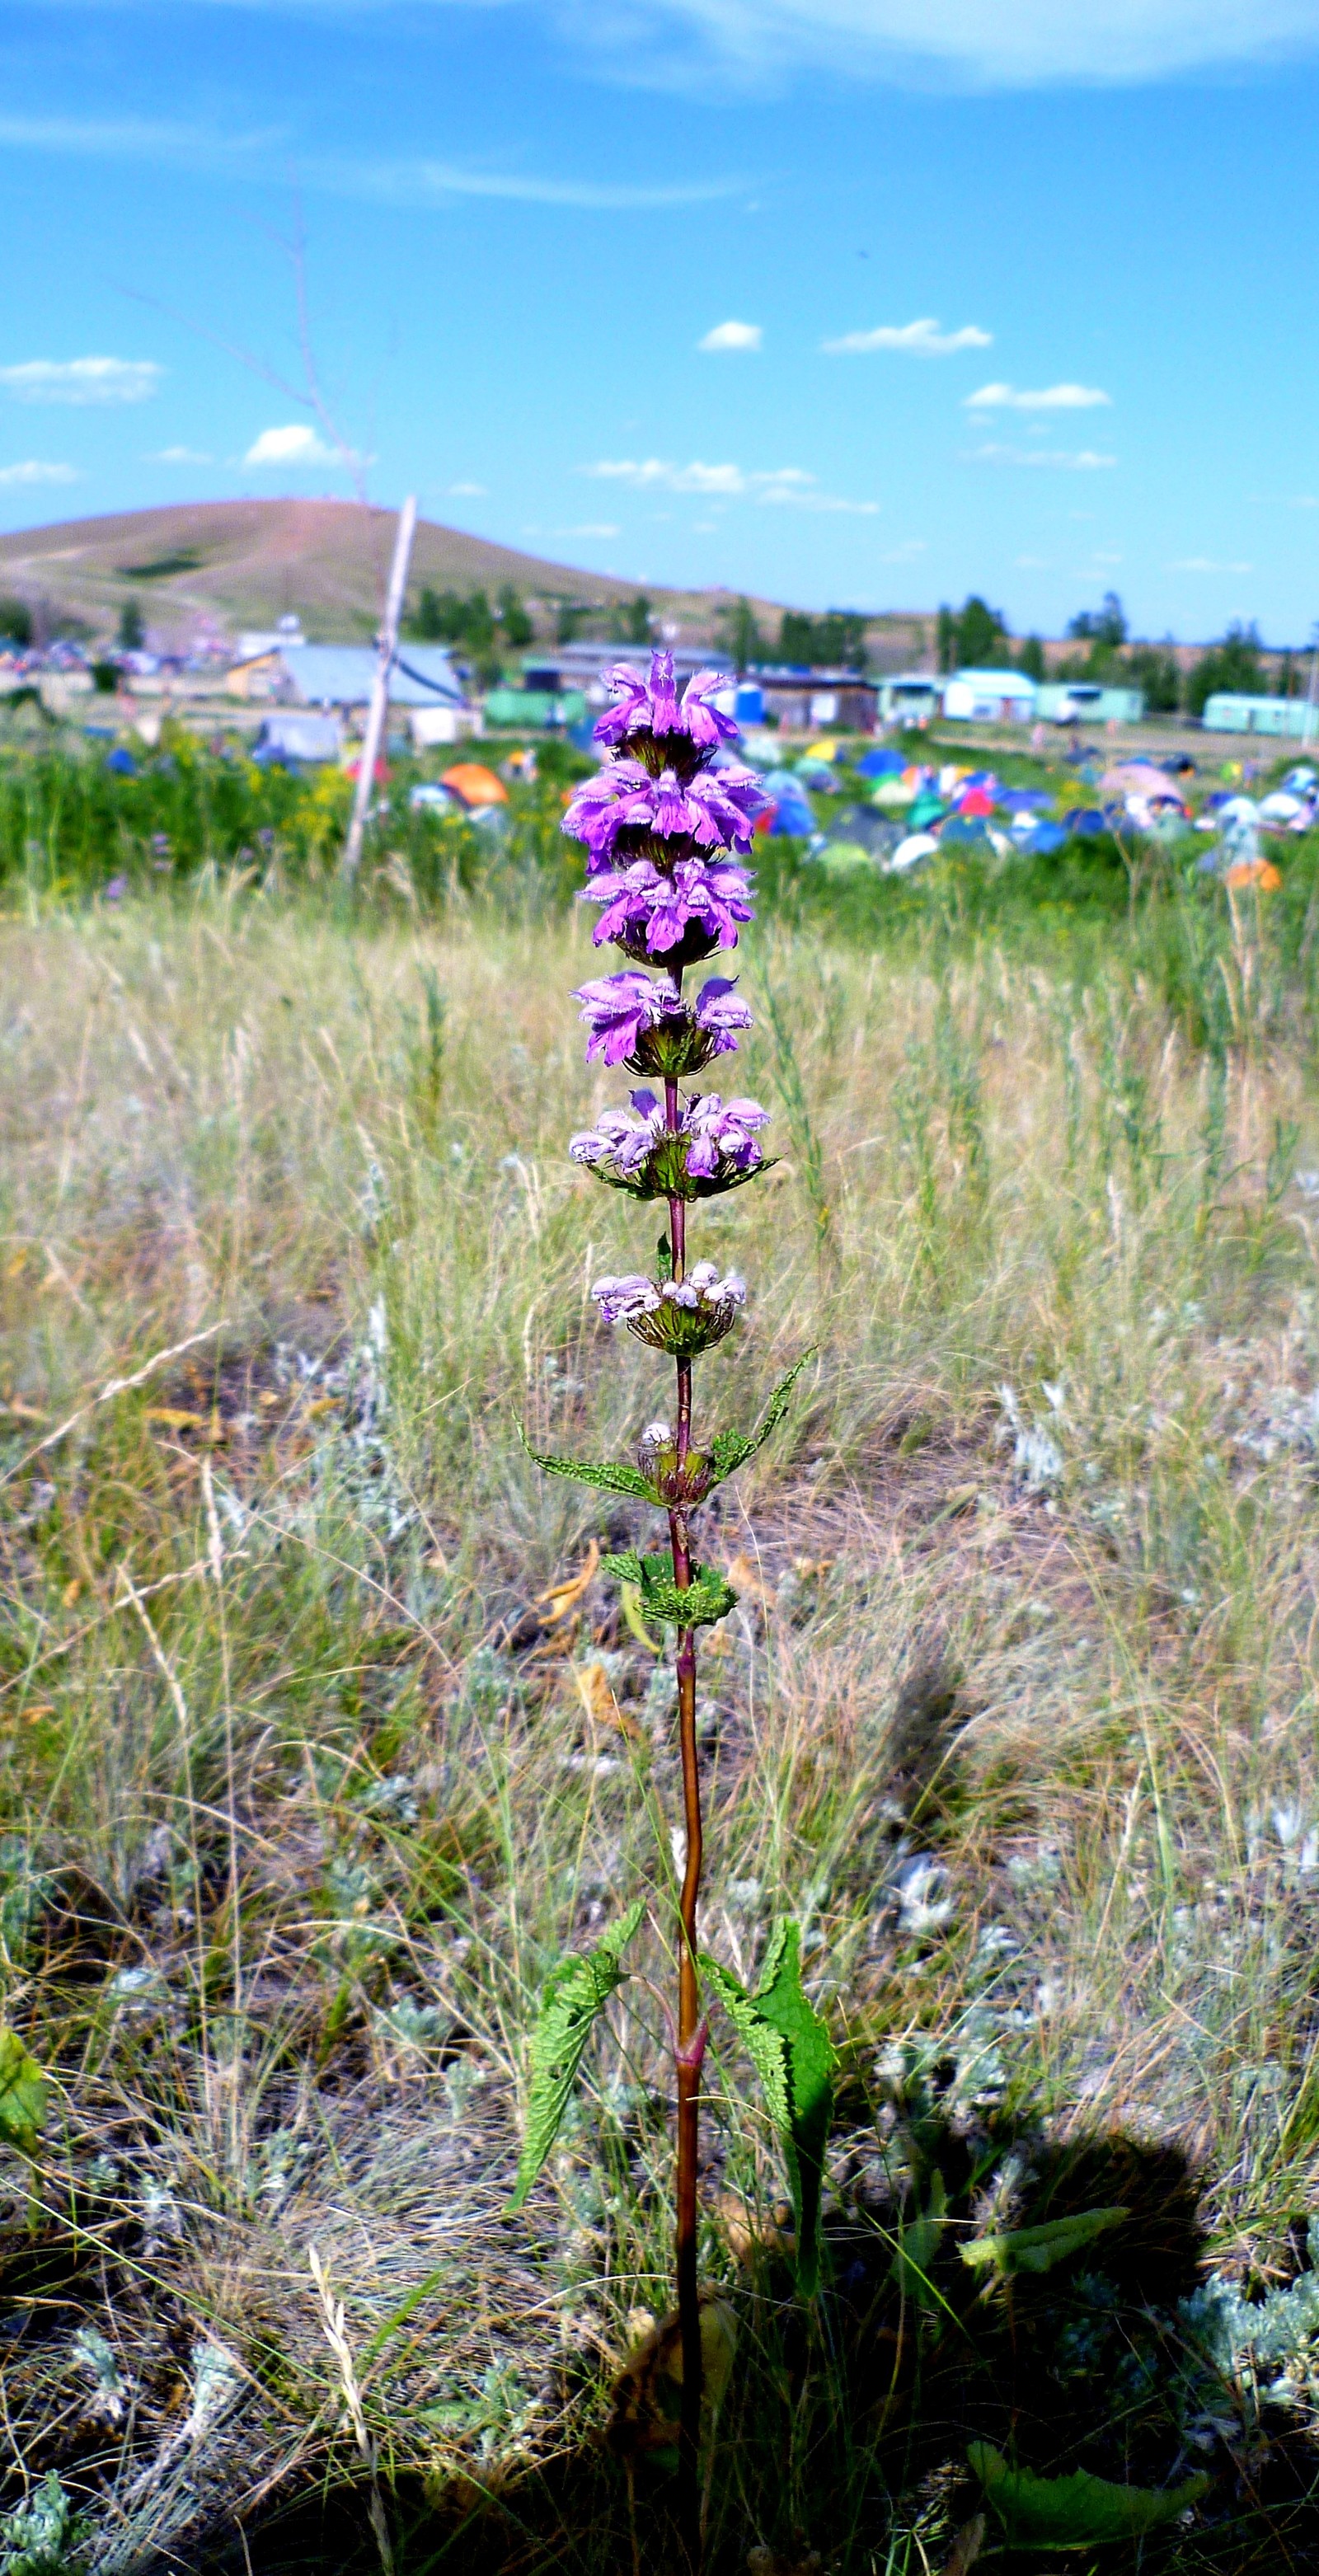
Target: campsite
328,1729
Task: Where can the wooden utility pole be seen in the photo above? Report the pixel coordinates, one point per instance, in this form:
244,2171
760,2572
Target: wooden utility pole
376,712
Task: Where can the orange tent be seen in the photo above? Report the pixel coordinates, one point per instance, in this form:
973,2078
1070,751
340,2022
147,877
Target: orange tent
1256,872
475,785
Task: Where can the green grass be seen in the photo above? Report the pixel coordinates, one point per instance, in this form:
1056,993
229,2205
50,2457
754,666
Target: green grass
301,1791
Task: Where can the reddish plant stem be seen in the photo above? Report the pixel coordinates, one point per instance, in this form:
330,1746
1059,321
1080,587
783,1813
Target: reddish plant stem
690,2048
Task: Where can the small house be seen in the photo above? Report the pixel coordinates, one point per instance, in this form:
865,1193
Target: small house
990,697
804,701
1228,712
910,697
1088,702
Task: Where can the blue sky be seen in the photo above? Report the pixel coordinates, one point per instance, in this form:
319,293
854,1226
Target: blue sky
1024,295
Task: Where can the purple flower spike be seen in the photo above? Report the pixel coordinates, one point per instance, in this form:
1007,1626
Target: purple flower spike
715,810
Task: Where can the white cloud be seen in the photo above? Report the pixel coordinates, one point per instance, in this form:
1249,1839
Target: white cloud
467,491
1205,563
179,456
787,486
973,44
1050,398
976,44
733,335
1030,563
1077,460
297,444
400,181
590,528
82,380
907,552
922,339
33,471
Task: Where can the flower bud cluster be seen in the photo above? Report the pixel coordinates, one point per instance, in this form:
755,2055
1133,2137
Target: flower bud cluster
634,1020
712,1149
682,1482
683,1316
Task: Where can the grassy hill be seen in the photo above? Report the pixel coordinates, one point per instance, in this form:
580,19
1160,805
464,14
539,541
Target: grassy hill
225,564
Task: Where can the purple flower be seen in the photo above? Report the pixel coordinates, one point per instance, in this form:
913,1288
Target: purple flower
619,1298
651,910
720,1010
722,1132
716,1137
652,706
715,810
617,1008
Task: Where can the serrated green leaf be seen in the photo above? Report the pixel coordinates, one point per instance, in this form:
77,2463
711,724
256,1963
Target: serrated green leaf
612,1477
1077,2512
1037,2249
707,1597
23,2092
731,1449
574,1992
624,1565
794,2057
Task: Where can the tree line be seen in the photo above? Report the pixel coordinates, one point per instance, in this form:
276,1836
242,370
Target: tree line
977,636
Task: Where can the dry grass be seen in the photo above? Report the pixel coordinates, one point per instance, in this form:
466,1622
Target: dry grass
302,1787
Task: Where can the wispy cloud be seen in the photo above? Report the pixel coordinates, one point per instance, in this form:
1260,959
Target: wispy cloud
973,44
923,339
1205,563
82,380
921,44
1049,398
1073,460
179,456
33,470
589,528
784,485
467,491
733,335
295,444
908,552
408,180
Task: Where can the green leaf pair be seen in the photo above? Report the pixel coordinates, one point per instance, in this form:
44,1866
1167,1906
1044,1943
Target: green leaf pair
793,2055
574,1992
728,1452
694,1605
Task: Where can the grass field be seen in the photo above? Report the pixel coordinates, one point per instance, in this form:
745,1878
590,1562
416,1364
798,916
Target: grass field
310,1772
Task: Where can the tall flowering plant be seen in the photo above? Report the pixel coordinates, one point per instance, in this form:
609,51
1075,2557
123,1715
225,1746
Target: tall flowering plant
668,825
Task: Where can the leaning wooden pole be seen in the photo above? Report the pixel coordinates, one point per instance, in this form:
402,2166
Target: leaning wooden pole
375,719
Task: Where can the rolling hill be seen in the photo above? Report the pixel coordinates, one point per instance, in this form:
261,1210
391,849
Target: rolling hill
214,566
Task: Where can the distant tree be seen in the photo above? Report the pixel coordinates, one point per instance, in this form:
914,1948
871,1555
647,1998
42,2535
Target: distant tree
821,643
15,622
1105,625
1031,658
515,625
438,617
980,634
946,640
569,614
1155,670
131,629
629,621
1233,663
739,636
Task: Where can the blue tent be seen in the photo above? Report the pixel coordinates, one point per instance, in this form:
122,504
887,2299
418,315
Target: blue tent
964,827
1086,823
881,764
122,762
792,812
1044,838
